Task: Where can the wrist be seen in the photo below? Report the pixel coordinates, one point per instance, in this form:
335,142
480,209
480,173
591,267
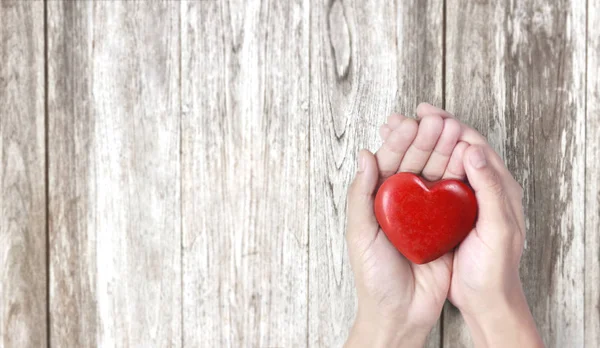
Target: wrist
368,331
506,322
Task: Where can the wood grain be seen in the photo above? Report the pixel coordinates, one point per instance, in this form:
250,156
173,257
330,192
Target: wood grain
114,120
199,154
592,170
23,276
73,254
245,173
523,87
367,60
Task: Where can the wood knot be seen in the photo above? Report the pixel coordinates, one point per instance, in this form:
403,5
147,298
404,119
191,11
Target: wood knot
341,43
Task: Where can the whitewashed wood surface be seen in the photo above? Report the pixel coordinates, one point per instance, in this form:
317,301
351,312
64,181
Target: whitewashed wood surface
173,173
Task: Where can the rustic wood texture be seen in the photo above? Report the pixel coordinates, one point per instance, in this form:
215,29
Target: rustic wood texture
245,173
114,173
367,60
516,72
23,276
73,254
592,170
198,153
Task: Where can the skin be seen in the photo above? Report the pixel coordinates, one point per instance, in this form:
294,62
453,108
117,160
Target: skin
398,301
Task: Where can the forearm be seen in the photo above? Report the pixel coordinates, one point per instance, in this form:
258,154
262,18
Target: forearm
510,324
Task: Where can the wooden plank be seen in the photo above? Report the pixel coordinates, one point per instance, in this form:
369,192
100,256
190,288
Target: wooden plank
245,173
523,88
367,60
475,93
23,299
71,154
592,202
114,120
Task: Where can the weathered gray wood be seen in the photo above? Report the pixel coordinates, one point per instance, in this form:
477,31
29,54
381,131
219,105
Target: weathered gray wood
72,198
277,97
592,170
114,144
365,63
245,173
515,71
22,176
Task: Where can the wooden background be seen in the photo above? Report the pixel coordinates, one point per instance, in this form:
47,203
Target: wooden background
173,173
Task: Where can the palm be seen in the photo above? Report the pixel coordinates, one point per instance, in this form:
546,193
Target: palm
398,283
467,265
473,262
386,280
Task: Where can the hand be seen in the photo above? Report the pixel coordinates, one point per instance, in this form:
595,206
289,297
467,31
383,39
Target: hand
485,284
398,301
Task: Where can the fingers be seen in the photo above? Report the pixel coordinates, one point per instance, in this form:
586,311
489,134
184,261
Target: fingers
456,168
494,191
426,109
393,121
483,177
436,165
430,129
362,224
468,134
392,151
384,131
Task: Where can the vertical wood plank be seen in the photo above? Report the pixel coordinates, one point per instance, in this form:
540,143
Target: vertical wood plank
245,173
523,88
476,63
592,203
73,265
367,60
23,276
114,120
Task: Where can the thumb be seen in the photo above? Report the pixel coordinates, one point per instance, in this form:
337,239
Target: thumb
487,183
362,224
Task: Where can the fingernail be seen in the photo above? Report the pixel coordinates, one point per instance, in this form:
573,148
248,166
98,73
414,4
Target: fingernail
361,162
478,158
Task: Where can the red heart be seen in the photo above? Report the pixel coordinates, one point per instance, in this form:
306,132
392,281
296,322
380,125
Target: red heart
424,220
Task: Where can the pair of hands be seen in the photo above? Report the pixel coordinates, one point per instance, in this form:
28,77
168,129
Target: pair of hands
398,301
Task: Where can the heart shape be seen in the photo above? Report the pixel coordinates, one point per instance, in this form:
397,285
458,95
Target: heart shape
422,219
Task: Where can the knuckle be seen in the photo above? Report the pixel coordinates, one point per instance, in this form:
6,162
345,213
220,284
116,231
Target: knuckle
434,123
410,123
393,145
452,125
